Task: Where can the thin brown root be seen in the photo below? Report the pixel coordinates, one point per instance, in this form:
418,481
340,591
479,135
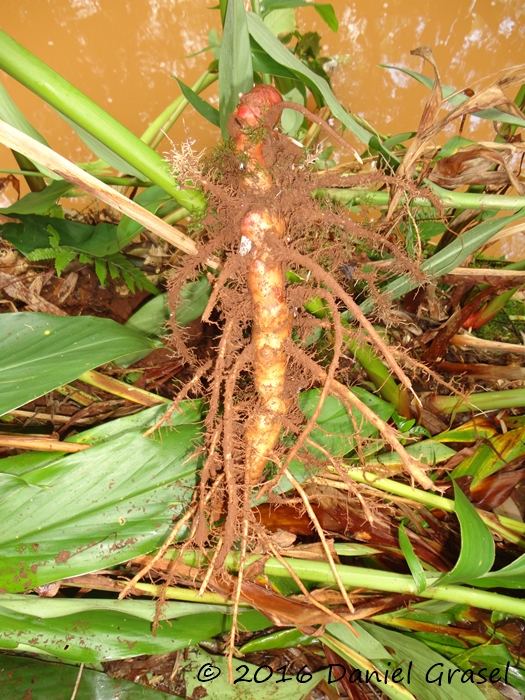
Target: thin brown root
349,483
209,570
236,600
275,111
297,486
180,396
321,274
162,551
302,587
386,431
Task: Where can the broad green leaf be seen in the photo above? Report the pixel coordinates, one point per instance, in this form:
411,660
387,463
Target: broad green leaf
136,607
41,352
449,258
325,10
427,451
151,199
235,65
412,560
492,455
493,115
32,233
264,37
426,667
194,297
151,318
93,636
22,677
109,503
205,109
258,683
477,546
512,576
336,430
39,202
280,21
363,670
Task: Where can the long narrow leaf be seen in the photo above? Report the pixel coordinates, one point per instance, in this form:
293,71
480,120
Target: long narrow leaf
477,546
205,109
264,37
448,258
235,65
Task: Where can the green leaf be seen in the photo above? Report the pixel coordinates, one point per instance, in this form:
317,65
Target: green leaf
412,560
449,258
280,21
109,503
290,119
41,352
205,109
477,546
492,455
427,452
426,667
253,676
235,65
325,10
25,677
493,115
264,63
97,635
363,641
39,202
32,234
282,55
194,297
10,113
336,430
511,576
151,199
282,639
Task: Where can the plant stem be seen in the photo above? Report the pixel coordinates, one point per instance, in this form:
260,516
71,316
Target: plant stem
488,401
430,500
458,200
359,577
158,129
31,72
118,388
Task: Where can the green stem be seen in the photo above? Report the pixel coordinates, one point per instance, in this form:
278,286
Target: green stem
109,180
359,577
458,200
158,129
31,72
488,401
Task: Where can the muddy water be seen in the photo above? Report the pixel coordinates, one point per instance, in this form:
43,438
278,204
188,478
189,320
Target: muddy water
122,54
